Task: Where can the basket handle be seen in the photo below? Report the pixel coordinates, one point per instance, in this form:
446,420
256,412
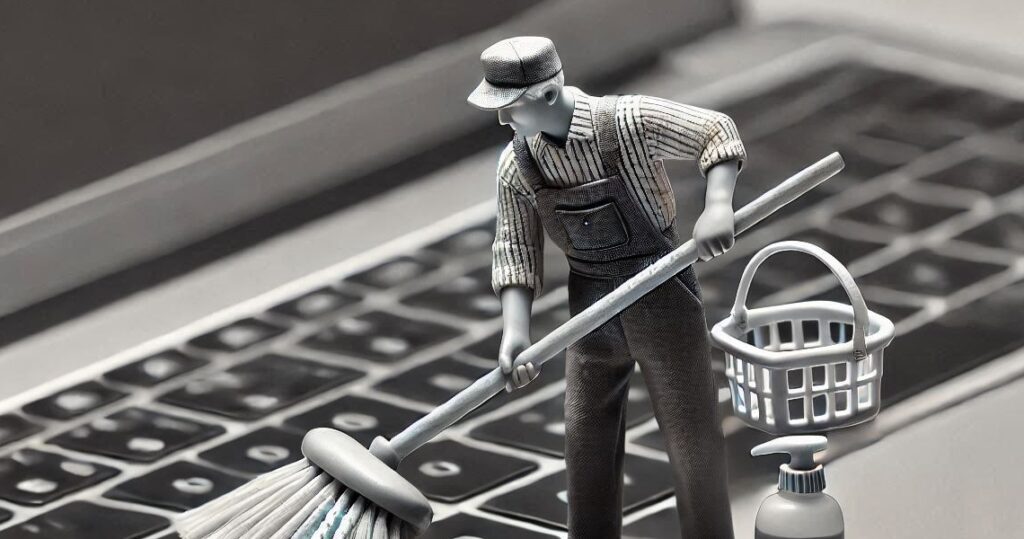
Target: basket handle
860,309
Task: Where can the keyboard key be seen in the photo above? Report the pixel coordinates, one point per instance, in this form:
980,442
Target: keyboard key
925,134
472,241
74,401
930,273
238,335
361,418
179,486
379,336
862,165
84,520
645,481
969,105
5,515
316,304
137,435
486,348
14,427
954,343
257,452
155,369
448,471
435,382
393,273
659,525
541,428
986,174
259,387
30,477
1005,231
440,380
468,296
899,214
463,526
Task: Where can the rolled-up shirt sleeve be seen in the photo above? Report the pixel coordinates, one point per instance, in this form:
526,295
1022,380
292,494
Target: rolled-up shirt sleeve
517,253
677,131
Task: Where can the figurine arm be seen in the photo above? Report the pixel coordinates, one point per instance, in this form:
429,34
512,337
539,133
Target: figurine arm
516,305
517,253
517,267
677,131
714,232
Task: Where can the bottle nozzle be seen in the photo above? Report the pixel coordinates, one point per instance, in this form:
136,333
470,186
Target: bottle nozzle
801,475
801,449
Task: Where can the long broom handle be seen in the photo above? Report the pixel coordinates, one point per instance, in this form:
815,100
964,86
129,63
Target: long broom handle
492,383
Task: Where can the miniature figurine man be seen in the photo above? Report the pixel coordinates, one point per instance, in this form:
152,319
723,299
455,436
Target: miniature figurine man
588,170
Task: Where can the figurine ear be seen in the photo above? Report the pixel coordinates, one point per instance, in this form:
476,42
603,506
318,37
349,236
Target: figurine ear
551,94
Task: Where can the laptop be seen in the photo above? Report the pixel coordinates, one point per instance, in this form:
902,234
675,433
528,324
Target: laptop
364,319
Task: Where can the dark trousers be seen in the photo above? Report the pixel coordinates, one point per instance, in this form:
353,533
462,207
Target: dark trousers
666,333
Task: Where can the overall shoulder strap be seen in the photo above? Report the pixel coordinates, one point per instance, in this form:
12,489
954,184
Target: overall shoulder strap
607,132
526,164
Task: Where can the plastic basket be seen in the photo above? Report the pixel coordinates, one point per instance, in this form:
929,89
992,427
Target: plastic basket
803,367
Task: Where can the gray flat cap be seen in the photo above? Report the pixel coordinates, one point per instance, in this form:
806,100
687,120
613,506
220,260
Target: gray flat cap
511,67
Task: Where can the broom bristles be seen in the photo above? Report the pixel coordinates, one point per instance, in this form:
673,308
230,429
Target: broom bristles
297,501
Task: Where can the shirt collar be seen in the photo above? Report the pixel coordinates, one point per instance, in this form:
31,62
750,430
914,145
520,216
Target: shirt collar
582,123
582,126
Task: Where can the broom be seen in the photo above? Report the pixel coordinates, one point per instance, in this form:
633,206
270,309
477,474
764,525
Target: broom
341,490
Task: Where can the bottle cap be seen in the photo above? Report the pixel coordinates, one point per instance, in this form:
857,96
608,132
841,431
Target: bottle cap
801,475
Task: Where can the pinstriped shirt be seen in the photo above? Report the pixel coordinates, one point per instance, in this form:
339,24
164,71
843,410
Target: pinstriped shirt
650,130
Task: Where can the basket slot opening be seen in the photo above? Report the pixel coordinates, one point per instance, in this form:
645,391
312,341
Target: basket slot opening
818,378
740,401
795,379
840,332
755,411
760,337
842,373
741,374
769,413
812,337
819,407
751,377
766,375
796,411
785,332
843,403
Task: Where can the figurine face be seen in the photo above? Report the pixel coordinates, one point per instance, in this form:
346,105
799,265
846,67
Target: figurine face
530,114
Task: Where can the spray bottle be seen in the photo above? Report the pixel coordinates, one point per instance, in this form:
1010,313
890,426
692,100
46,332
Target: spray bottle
799,510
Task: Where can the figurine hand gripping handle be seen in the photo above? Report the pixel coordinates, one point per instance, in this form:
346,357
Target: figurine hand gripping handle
604,309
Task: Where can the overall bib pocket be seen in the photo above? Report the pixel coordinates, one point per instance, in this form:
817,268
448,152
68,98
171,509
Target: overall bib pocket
590,229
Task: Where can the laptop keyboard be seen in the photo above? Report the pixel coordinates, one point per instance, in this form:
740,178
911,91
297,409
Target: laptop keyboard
929,216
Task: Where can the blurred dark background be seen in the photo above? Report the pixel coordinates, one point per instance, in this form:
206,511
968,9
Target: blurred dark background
89,89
